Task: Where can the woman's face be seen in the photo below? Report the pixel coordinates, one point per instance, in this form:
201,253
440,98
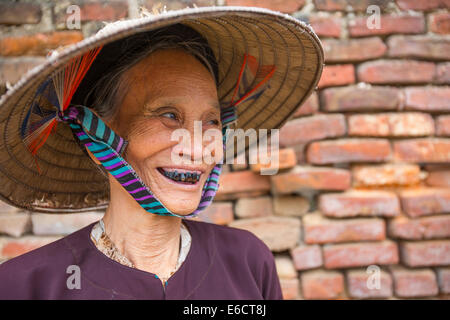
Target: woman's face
167,91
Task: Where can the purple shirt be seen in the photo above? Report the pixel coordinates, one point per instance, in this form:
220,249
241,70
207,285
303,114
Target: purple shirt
222,263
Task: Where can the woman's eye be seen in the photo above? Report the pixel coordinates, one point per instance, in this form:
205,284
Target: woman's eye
170,115
214,122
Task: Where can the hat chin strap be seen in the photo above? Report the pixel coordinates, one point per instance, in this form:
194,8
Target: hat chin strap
108,147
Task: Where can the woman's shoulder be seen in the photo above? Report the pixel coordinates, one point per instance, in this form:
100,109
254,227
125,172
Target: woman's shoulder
39,265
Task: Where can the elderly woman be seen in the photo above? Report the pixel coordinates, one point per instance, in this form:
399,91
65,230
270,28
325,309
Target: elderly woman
117,98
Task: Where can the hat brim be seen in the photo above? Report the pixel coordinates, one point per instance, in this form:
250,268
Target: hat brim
69,181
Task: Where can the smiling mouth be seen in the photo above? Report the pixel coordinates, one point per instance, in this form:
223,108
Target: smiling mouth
180,176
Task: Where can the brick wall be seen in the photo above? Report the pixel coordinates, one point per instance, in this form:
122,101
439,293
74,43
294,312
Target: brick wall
364,182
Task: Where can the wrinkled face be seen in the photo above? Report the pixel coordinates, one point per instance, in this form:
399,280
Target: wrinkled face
168,91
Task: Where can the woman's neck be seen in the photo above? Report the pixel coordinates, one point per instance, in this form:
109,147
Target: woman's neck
151,242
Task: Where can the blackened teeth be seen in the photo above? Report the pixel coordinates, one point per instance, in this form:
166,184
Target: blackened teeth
190,177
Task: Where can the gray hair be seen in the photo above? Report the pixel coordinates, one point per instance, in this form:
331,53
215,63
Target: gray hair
110,90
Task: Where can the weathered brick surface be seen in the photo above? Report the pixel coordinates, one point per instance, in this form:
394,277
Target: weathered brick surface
359,203
443,125
14,13
37,44
56,224
361,286
391,124
326,25
360,98
389,24
287,159
442,75
439,178
336,75
425,253
443,275
396,72
348,150
349,5
15,224
320,284
233,183
96,11
422,150
316,127
425,201
254,207
290,288
318,229
269,229
306,177
424,5
285,267
414,283
420,228
439,22
310,106
352,50
384,175
307,257
424,47
290,205
218,213
287,6
360,254
429,99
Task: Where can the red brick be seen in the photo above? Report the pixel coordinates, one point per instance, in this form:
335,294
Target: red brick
353,50
254,207
287,6
318,229
425,201
285,267
316,127
294,206
62,224
287,159
11,69
13,247
391,124
304,178
15,223
396,71
389,24
336,75
425,253
358,280
423,47
13,13
359,203
439,22
360,254
385,175
360,98
217,213
278,233
310,106
420,228
96,11
428,99
442,73
38,43
320,284
349,5
290,288
348,150
307,257
242,181
422,5
439,178
326,25
414,283
443,125
443,275
422,150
